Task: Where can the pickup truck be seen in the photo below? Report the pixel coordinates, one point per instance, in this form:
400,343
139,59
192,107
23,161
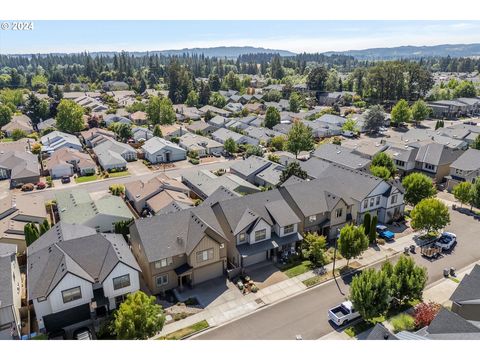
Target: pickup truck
384,233
343,313
446,241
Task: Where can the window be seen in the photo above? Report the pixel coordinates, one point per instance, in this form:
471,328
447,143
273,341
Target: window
372,201
242,238
71,294
40,299
260,235
400,163
222,245
163,263
161,280
378,201
338,213
204,255
429,166
119,299
121,282
288,229
365,203
394,199
312,218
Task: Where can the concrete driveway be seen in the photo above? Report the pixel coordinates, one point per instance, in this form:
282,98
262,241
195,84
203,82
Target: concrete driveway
211,293
138,168
265,274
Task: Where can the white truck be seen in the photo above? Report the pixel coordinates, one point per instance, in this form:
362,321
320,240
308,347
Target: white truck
343,313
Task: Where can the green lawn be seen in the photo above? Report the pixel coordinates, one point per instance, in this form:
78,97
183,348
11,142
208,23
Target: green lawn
40,337
297,269
180,334
358,328
83,179
118,174
6,140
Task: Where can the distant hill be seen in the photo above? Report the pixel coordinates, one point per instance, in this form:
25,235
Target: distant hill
231,52
409,52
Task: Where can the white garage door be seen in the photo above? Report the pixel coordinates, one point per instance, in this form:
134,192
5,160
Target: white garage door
208,272
254,259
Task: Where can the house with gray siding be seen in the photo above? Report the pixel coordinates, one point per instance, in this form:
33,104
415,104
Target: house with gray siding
10,294
158,150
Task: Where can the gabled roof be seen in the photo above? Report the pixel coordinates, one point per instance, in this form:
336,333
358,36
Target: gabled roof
437,154
282,213
21,164
156,144
448,322
250,166
468,161
90,257
340,155
469,287
380,332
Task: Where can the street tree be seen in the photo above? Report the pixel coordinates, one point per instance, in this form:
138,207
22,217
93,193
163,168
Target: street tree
417,187
475,201
291,169
408,280
295,102
463,192
401,113
272,117
352,241
430,215
69,117
370,293
300,138
138,317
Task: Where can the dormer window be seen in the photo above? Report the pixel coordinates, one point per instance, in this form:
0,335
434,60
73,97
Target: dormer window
242,237
288,229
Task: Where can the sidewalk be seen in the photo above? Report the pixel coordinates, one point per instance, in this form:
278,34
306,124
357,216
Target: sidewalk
249,303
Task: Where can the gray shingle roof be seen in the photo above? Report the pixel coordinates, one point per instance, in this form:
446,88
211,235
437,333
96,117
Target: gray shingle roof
91,257
448,322
437,154
341,155
380,332
21,164
469,287
250,166
6,295
468,161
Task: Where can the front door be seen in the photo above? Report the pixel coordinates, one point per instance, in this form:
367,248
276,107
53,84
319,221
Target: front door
167,157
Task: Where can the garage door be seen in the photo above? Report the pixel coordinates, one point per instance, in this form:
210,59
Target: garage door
254,259
207,272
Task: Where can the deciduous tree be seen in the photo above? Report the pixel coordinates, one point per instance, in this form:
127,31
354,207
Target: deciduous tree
430,215
382,159
352,241
313,248
69,116
401,112
417,187
300,138
272,117
463,192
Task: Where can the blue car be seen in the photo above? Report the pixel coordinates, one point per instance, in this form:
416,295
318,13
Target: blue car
384,233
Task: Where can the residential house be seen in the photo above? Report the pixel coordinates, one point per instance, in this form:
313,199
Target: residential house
158,150
169,201
256,108
448,109
18,122
139,117
466,297
115,119
332,98
473,105
91,103
94,134
77,207
314,167
253,169
58,140
448,325
10,296
369,149
218,121
186,113
435,159
113,155
214,110
20,167
380,332
141,134
414,137
200,127
221,135
184,248
47,125
76,274
204,183
66,162
338,154
139,191
112,85
233,107
172,131
257,227
403,157
263,135
200,144
15,212
465,168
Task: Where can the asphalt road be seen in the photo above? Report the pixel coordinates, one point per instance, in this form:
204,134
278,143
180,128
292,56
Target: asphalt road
306,313
49,194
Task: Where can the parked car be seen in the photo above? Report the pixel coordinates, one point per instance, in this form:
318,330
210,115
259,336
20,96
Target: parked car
384,233
446,241
216,154
343,313
28,187
41,185
65,179
82,334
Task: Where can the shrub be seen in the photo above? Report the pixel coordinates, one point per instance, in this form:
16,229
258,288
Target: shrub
403,322
194,161
424,313
254,288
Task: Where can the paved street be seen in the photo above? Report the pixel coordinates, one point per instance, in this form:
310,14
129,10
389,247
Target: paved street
95,186
306,313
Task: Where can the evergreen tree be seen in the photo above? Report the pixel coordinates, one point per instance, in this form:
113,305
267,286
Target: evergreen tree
272,117
372,234
367,219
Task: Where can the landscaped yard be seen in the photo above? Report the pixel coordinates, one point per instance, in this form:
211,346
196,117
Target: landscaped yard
118,174
295,269
180,334
317,279
358,328
83,179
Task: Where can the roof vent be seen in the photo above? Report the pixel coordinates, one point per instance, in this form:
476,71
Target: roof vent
179,239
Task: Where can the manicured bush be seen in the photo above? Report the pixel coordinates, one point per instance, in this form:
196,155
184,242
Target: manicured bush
403,322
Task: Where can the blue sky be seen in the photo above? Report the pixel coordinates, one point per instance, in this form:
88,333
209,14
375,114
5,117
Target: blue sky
296,36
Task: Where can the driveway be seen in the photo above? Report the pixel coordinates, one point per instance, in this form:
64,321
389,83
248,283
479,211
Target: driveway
265,274
138,168
211,293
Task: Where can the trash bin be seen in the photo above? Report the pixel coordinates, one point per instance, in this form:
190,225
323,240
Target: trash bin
446,272
452,271
406,249
412,249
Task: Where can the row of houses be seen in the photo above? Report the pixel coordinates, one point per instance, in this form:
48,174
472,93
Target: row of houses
453,109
